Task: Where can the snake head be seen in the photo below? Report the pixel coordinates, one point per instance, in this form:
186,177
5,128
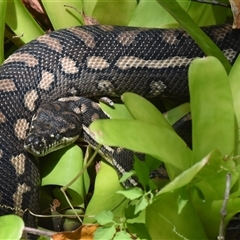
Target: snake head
54,126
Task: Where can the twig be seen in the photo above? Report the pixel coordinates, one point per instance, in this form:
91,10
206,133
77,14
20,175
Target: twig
64,188
213,2
38,231
223,211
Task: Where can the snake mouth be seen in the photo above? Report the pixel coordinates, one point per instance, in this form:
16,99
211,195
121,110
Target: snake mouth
40,147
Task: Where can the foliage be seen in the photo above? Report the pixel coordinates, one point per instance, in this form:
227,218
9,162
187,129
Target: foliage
11,227
195,192
198,184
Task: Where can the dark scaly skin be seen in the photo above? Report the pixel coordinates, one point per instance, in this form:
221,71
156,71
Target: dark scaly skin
62,122
41,72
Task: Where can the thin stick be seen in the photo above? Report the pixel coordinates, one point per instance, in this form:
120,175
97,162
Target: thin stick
213,2
223,211
38,231
74,179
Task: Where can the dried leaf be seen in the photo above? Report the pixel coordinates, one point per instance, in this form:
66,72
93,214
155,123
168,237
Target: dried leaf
84,232
37,11
235,7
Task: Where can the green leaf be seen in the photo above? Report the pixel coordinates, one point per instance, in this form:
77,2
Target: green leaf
209,213
69,223
177,113
148,12
139,229
182,202
104,195
3,7
122,235
22,22
115,10
234,77
131,194
65,16
187,176
149,113
164,212
129,212
213,177
212,110
152,10
145,138
126,175
66,162
118,111
104,217
104,233
214,174
141,205
142,172
151,162
11,227
186,22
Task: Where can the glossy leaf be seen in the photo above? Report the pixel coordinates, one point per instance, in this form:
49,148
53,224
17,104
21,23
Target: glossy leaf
152,10
11,227
211,107
122,235
118,111
206,14
214,173
65,16
62,167
129,212
139,229
177,113
132,193
141,204
142,172
104,233
175,224
114,10
105,196
104,217
151,162
21,21
143,110
146,138
209,213
213,186
71,223
3,7
233,78
187,176
202,14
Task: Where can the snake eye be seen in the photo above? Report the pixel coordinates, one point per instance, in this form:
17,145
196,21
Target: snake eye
34,143
28,140
38,143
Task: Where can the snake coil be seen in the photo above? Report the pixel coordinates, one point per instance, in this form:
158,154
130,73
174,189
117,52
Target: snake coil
86,61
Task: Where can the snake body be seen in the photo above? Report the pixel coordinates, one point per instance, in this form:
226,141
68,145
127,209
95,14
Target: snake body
86,61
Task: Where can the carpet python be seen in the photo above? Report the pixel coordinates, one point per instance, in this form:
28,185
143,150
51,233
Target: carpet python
86,61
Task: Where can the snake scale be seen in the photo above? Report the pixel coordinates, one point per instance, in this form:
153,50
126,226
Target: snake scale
86,61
